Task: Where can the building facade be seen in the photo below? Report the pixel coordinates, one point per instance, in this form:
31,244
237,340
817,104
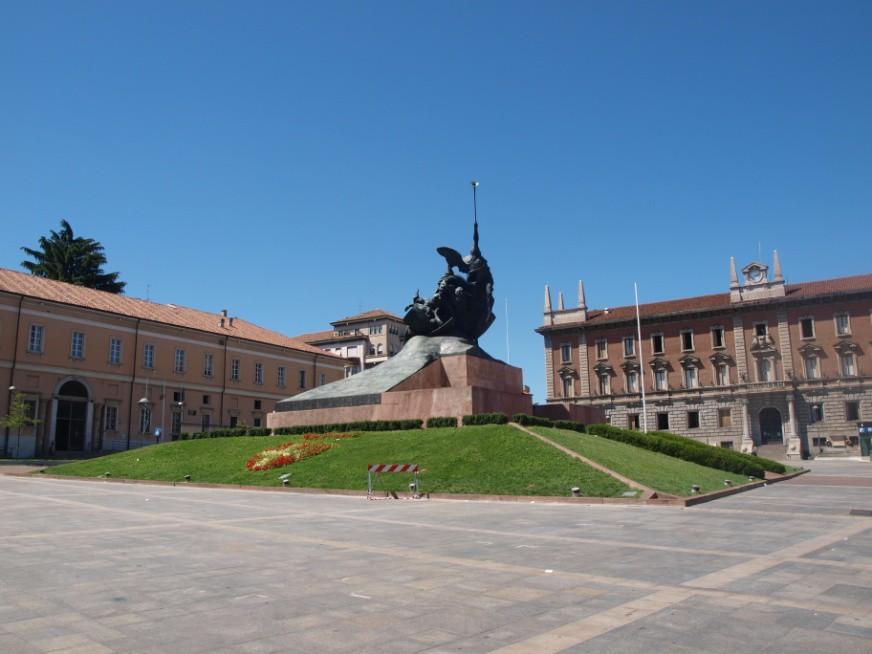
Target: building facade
365,339
782,367
101,371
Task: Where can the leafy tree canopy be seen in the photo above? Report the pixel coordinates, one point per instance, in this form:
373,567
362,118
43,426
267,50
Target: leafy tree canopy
69,258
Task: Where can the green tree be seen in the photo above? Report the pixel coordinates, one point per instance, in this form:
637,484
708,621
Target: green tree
74,259
17,418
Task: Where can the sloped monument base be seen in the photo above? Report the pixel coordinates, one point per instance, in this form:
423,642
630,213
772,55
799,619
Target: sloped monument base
431,376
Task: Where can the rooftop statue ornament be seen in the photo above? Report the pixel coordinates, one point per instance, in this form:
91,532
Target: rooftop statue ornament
461,306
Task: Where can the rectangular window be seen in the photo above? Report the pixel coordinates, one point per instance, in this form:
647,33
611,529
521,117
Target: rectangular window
811,367
34,341
662,421
234,370
633,421
764,370
629,346
725,418
760,329
110,422
178,396
605,384
207,399
567,387
565,353
302,379
257,422
323,379
205,421
115,350
693,419
208,361
690,377
816,413
602,348
660,380
281,377
176,424
144,420
77,345
717,337
687,340
258,405
632,381
843,324
180,360
148,355
806,327
847,364
258,373
727,445
852,411
657,346
234,420
723,375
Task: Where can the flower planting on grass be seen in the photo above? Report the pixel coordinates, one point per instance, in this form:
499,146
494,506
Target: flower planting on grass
293,451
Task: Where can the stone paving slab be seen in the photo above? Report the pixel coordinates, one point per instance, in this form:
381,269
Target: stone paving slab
95,567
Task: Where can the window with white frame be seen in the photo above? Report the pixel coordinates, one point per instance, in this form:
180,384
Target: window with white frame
144,419
629,346
605,383
806,327
77,345
180,360
234,370
657,344
687,340
35,338
115,350
568,390
148,355
602,348
660,383
848,364
843,324
723,374
258,373
565,353
632,381
110,418
717,337
812,367
281,376
691,379
208,364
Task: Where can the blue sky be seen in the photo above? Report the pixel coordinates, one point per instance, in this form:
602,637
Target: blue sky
299,162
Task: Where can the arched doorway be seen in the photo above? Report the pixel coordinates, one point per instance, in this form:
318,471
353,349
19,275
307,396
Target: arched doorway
71,417
770,426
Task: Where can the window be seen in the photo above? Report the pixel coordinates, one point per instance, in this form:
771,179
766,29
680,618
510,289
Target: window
565,353
256,421
764,370
380,349
208,361
371,350
633,421
77,345
687,340
629,346
717,337
662,421
258,404
843,324
207,399
281,376
323,379
178,396
205,421
34,340
811,367
148,355
115,350
806,327
234,370
657,343
234,420
852,411
632,381
690,377
377,329
760,329
144,419
176,424
180,360
258,373
605,385
847,364
816,412
567,387
302,379
723,374
660,380
602,348
727,445
693,419
725,418
110,421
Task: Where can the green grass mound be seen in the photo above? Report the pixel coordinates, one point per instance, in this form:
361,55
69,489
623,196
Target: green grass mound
658,471
486,459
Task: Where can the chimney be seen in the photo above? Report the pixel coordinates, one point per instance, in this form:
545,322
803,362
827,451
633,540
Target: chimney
221,322
230,321
224,312
776,265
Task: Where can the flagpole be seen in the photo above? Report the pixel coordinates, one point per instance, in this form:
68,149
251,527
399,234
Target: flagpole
641,362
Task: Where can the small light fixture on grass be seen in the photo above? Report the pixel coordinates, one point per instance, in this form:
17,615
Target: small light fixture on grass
187,477
728,482
285,479
695,489
576,491
107,474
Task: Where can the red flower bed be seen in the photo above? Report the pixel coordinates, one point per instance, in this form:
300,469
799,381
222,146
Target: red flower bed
293,451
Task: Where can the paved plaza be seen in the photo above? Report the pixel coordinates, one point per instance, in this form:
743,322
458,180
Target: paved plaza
93,567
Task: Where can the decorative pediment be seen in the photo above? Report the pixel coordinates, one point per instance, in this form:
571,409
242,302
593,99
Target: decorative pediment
846,347
811,350
567,373
659,363
690,361
721,357
756,273
630,366
603,367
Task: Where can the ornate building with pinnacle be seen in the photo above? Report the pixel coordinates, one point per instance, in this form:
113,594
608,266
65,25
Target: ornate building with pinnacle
781,368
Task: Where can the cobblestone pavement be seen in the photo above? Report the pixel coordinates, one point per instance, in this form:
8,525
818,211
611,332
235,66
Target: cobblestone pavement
91,567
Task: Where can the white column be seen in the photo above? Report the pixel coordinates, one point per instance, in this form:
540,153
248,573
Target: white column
53,423
89,425
793,445
747,441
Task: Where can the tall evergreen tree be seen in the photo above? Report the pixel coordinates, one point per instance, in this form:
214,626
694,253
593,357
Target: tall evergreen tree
69,258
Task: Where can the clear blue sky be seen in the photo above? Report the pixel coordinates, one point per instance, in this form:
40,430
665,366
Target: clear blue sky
298,162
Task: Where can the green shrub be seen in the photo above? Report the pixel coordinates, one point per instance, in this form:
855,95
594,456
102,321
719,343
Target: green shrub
441,421
362,425
524,419
569,424
232,431
689,450
257,431
486,419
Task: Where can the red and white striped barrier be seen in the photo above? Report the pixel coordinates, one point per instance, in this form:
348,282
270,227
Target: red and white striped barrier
393,467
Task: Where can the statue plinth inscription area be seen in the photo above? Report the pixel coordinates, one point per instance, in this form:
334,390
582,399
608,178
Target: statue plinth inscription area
441,370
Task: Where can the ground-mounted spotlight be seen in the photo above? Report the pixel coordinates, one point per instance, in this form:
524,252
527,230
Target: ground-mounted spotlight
576,491
695,489
728,482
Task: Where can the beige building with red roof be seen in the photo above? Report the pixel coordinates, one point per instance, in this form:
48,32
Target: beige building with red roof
781,368
102,371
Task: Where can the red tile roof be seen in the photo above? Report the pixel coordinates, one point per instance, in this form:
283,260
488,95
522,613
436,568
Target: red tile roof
12,281
793,292
368,315
328,336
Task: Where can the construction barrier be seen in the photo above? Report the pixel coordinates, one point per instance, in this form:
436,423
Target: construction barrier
379,468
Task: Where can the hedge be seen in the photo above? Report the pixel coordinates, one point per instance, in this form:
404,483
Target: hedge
442,421
363,425
524,419
486,419
689,450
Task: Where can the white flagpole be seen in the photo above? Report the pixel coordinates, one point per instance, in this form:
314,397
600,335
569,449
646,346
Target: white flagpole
641,361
